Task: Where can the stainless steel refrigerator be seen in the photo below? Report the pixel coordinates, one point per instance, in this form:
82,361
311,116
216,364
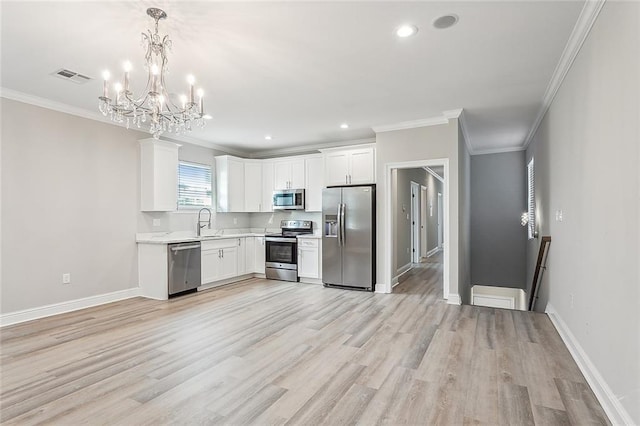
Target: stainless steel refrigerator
349,237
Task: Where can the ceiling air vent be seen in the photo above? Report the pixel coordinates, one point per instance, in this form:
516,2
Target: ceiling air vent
71,76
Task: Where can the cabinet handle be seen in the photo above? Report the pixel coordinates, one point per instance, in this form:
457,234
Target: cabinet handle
222,253
219,254
239,243
346,178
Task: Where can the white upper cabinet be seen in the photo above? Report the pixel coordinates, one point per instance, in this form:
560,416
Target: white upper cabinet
230,184
267,186
350,166
252,186
158,176
289,174
314,182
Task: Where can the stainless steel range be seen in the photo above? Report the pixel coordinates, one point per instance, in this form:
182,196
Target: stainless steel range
282,250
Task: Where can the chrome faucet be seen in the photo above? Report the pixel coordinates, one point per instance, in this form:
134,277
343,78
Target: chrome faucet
199,226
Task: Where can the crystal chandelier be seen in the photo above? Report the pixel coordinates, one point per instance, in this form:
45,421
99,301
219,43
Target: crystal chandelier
154,104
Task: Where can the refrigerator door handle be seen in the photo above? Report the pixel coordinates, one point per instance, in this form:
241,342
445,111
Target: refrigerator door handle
338,216
344,207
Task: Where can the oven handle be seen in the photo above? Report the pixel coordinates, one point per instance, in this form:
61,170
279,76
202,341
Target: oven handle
280,240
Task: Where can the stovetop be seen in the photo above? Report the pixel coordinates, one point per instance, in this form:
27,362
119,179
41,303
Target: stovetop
293,228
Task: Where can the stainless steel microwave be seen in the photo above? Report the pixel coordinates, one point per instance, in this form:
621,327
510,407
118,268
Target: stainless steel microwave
288,199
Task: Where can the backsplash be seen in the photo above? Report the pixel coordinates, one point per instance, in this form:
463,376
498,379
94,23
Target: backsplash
186,221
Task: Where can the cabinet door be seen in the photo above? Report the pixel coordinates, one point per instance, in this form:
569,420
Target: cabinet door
314,183
229,263
267,186
297,177
308,262
362,166
260,255
336,167
236,185
281,175
210,268
252,186
249,255
242,257
158,175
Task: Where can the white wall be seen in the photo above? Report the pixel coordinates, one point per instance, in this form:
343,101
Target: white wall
587,163
423,143
69,203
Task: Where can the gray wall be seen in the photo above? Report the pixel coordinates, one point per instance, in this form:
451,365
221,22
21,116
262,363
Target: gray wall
498,198
587,153
69,203
464,224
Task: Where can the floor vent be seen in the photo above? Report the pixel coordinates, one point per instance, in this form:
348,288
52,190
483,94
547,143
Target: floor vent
69,75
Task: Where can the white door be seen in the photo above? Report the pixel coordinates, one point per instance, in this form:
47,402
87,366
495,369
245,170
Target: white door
210,267
296,180
362,166
259,255
281,174
314,184
308,264
236,185
415,222
440,219
423,221
252,187
336,168
267,186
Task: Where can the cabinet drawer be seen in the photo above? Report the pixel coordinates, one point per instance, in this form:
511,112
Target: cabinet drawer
307,242
218,244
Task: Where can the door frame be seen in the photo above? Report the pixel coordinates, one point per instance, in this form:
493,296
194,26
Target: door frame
388,225
415,222
424,203
440,215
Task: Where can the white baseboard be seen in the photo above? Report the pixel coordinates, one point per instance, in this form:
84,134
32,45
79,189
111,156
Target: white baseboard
433,251
68,306
607,398
383,288
454,299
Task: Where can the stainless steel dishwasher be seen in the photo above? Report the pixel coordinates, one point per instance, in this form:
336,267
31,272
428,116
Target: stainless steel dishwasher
184,267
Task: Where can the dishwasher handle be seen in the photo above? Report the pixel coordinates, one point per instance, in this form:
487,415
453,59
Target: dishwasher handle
189,247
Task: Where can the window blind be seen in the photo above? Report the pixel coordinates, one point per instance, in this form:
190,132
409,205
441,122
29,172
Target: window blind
531,200
194,185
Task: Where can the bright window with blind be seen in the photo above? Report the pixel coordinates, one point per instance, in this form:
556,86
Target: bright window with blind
194,185
531,201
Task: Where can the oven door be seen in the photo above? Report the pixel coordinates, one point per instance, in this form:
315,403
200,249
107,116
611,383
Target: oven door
281,253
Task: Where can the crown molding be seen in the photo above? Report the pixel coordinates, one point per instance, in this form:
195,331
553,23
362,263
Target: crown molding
588,15
403,125
307,149
15,95
434,174
498,150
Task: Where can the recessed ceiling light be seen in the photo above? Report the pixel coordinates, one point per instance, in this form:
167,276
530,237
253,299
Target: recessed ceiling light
445,21
268,137
406,30
344,126
207,117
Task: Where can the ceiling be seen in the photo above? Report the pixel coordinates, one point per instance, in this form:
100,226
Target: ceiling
297,70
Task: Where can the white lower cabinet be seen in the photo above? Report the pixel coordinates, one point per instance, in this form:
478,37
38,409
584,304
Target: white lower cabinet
259,255
249,257
219,260
309,261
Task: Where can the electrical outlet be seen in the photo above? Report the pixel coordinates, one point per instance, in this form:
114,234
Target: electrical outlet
407,250
235,220
571,300
157,222
559,215
271,219
66,278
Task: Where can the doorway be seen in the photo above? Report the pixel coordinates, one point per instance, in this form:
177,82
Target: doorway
440,217
395,214
423,222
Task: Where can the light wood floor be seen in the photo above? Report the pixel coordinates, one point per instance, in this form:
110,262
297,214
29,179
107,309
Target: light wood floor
267,352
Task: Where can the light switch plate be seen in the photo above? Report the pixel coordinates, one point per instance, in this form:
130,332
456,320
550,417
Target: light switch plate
66,278
157,222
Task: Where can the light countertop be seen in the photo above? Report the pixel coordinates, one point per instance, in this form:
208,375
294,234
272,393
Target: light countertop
310,236
187,236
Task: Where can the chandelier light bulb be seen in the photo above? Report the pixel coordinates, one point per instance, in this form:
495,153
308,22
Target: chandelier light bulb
127,66
200,92
117,87
106,75
191,79
154,69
